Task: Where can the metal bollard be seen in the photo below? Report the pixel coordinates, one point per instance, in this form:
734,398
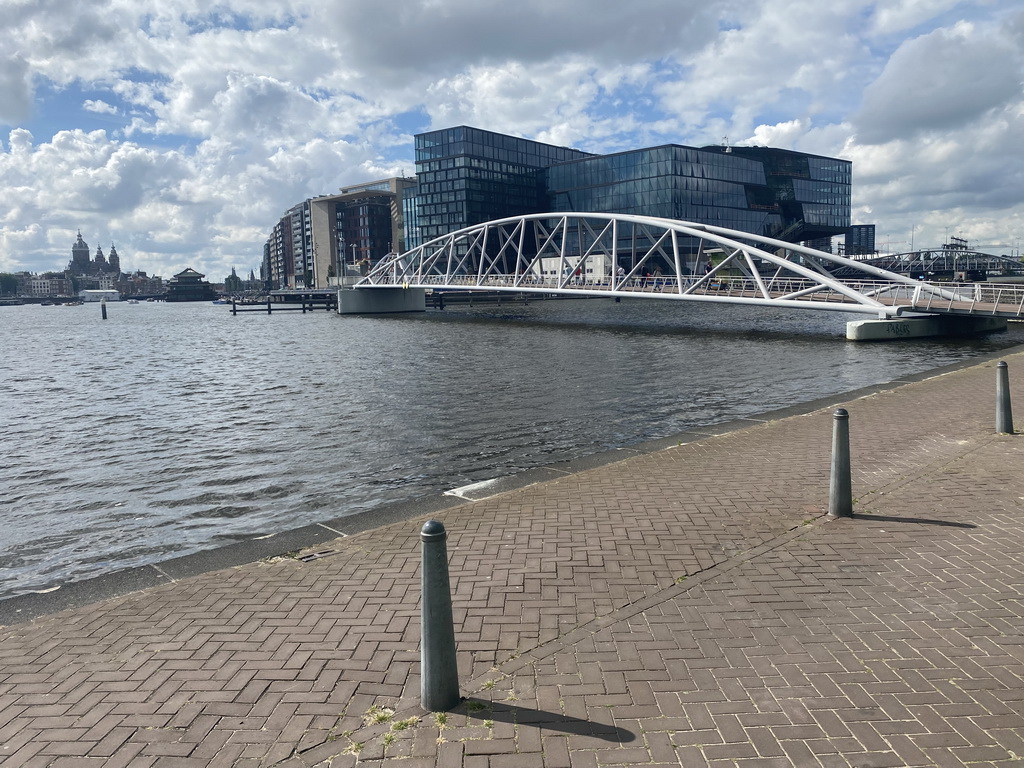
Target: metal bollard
439,672
840,494
1004,413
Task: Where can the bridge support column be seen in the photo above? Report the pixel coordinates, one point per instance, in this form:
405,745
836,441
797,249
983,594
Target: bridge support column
367,301
920,327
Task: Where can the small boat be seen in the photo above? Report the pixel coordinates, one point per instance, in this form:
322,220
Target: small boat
221,301
133,301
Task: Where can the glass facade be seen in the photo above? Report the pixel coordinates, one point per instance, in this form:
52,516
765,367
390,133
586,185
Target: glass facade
752,189
468,176
812,193
860,240
672,182
363,227
411,218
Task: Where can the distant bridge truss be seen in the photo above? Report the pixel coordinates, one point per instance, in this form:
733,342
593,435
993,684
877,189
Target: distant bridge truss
948,263
621,255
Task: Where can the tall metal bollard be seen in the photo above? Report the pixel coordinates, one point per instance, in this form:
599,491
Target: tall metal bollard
840,493
439,672
1004,413
103,308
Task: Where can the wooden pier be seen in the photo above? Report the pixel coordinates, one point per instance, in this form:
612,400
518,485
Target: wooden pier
305,302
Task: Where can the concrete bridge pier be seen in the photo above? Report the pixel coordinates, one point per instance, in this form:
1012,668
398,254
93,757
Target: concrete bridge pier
368,301
894,328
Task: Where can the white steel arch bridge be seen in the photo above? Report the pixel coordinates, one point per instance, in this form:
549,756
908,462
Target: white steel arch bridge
622,255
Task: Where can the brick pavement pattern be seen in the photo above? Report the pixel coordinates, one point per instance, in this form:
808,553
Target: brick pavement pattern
689,607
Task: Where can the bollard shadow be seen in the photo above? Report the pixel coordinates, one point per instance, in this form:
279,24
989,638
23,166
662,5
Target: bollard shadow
918,520
499,711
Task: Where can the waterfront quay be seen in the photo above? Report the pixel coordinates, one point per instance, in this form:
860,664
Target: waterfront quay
688,603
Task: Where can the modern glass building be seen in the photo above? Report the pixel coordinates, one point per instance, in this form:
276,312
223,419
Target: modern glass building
860,240
788,195
812,192
468,176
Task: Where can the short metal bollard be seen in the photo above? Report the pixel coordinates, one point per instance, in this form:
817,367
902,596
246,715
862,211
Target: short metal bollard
1004,413
439,672
840,493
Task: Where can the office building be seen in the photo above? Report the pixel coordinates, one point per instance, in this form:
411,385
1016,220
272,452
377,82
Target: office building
323,237
860,240
468,176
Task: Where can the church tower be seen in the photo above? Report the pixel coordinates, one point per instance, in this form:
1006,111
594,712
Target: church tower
114,261
100,261
79,257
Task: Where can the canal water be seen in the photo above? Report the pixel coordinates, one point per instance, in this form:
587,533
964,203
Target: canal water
172,428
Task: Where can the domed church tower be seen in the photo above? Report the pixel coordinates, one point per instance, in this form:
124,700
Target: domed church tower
100,261
80,257
113,260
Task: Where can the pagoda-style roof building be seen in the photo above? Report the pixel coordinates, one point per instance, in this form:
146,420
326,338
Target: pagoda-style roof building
189,285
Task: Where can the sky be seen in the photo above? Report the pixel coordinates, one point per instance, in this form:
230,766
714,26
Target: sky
181,131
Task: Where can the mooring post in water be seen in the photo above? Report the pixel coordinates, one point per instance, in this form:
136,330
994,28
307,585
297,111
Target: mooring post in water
439,673
1004,413
840,494
103,308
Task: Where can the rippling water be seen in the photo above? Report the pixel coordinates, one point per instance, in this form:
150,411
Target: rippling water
172,428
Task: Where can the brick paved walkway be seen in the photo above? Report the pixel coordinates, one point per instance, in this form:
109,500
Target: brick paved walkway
686,607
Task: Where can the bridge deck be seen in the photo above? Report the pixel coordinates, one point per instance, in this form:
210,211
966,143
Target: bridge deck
994,300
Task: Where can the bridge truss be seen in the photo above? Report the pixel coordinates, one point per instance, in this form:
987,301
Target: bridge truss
621,255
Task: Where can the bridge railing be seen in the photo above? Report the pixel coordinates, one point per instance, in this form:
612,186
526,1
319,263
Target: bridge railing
994,298
966,298
720,286
969,298
1005,300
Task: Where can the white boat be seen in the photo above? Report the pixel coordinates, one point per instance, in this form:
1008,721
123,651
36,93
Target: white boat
90,295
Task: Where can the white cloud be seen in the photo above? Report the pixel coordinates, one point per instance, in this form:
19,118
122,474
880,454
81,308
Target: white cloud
898,16
941,81
165,208
216,121
785,58
786,134
99,106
